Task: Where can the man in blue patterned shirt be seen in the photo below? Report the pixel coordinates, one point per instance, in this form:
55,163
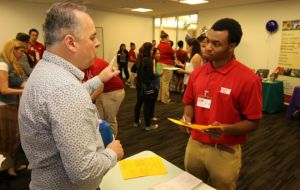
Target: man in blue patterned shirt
58,121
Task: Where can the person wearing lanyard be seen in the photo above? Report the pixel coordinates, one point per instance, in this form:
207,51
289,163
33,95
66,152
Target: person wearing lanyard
222,92
36,49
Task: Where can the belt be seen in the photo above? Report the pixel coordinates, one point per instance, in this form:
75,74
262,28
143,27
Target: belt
222,147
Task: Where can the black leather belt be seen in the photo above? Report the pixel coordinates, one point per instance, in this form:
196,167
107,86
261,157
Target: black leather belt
222,147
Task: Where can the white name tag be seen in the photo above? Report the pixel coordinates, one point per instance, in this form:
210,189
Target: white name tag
225,90
204,102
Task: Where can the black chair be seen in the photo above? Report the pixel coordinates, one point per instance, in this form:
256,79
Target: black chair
263,73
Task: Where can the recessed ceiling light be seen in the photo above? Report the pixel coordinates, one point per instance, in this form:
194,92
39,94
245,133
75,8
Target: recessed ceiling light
143,10
193,2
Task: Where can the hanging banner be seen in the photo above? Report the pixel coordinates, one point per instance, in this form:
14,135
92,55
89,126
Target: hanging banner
289,56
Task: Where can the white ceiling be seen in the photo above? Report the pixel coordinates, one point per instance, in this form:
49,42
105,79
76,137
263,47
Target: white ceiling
160,7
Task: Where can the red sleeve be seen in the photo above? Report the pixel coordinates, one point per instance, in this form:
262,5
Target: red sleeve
98,66
251,100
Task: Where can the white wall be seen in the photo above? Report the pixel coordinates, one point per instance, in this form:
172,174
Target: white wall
118,28
20,17
258,48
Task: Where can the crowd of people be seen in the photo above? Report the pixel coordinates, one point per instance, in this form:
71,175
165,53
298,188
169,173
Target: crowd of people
53,98
18,58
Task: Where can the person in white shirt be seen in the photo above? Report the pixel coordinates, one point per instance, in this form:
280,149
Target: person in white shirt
58,121
194,49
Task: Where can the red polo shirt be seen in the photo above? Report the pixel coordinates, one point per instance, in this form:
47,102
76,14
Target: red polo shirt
37,47
132,56
235,93
181,55
113,84
166,53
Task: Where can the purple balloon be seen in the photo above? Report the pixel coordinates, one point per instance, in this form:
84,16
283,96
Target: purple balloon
188,37
272,26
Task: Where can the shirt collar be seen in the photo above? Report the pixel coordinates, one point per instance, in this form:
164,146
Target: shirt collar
50,57
224,69
164,42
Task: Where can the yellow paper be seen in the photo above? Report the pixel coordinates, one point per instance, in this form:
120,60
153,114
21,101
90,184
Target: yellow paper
195,126
133,168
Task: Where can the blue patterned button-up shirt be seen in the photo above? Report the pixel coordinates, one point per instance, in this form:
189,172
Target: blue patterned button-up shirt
59,128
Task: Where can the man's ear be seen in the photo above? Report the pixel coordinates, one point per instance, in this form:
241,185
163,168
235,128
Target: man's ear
232,46
70,43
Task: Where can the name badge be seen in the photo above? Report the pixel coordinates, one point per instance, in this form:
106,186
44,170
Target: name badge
225,90
204,102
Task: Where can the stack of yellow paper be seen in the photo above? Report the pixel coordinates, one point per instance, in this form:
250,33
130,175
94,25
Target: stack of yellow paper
133,168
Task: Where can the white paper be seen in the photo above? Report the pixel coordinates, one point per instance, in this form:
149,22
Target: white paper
203,186
184,181
160,186
171,68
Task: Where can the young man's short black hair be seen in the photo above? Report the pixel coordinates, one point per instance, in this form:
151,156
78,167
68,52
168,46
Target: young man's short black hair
33,30
232,26
131,43
180,43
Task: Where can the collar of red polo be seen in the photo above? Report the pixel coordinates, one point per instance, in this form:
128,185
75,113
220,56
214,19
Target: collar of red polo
164,42
224,69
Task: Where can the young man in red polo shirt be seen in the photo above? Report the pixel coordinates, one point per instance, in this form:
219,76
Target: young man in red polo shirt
36,49
222,92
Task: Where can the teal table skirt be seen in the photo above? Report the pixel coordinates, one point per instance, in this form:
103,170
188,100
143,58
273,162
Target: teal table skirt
272,96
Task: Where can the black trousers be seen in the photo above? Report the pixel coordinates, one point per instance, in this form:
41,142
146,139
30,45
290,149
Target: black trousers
125,67
155,95
148,100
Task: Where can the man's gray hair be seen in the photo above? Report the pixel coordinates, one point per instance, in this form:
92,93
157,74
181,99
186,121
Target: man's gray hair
61,20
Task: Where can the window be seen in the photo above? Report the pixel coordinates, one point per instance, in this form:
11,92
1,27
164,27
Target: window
177,27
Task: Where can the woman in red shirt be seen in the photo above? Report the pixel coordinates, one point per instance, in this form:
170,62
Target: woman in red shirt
165,61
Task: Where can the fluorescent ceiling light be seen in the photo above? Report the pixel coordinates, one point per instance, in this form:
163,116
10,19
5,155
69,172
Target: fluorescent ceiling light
143,10
193,2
